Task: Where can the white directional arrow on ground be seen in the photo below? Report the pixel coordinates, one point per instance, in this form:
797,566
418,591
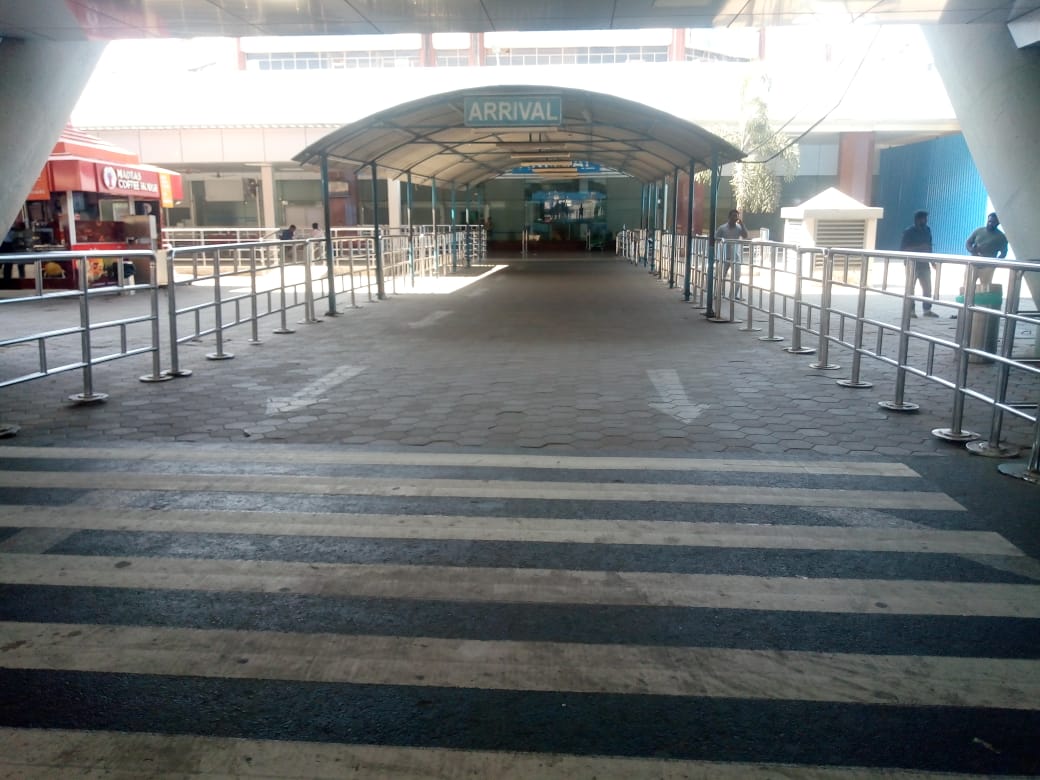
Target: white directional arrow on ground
429,319
313,392
674,401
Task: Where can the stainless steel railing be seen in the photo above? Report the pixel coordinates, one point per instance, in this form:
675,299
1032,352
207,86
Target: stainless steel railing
250,282
862,303
89,342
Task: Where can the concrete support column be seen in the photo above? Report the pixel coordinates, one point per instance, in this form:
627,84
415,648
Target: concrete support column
267,194
40,87
856,165
393,203
427,54
477,52
677,46
996,94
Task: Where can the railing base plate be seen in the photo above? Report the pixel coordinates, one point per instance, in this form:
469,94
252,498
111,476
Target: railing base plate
825,366
162,376
987,450
1019,471
93,398
894,407
948,434
219,356
7,430
855,385
799,350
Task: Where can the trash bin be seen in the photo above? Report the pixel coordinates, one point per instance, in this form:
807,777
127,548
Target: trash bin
985,328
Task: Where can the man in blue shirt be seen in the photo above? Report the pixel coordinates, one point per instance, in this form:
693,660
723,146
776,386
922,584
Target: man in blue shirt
918,238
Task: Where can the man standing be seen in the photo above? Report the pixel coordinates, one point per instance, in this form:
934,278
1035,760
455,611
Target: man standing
732,230
918,238
987,241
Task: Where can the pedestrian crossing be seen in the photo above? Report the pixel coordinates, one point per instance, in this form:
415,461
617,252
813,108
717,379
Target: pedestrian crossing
301,612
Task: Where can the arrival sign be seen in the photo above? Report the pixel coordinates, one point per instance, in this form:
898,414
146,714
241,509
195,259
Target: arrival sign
514,111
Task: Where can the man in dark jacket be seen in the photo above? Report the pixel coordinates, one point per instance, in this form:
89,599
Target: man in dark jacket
918,238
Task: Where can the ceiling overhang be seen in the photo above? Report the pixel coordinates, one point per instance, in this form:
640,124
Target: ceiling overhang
70,20
434,139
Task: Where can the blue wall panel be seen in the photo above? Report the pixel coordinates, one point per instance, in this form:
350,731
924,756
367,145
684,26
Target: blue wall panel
938,176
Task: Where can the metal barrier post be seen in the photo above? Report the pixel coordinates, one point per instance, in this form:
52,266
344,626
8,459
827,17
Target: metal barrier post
771,327
88,396
857,339
395,264
955,432
309,316
898,404
218,313
992,448
1030,472
699,273
749,325
369,263
718,284
254,312
283,314
825,314
157,374
171,300
350,263
796,347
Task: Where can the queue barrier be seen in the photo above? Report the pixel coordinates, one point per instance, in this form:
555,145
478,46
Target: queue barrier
251,281
836,298
138,333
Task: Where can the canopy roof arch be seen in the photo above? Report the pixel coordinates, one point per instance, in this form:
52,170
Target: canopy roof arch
435,138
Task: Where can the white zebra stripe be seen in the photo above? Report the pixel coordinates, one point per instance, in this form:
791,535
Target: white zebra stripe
519,529
175,453
926,681
467,488
30,754
528,586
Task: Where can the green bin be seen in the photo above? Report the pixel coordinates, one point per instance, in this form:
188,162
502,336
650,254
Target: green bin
985,328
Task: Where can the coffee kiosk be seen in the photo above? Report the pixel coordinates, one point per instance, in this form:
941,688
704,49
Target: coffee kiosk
92,195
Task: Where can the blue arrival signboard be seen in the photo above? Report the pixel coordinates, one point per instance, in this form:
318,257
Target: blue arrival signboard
514,111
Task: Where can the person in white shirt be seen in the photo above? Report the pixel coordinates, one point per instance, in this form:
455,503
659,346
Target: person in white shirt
732,230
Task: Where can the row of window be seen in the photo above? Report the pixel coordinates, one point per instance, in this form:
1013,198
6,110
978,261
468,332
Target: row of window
339,60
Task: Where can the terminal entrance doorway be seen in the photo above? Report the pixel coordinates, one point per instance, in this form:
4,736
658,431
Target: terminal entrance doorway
564,219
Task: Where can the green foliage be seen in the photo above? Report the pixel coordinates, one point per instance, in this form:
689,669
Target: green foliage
771,159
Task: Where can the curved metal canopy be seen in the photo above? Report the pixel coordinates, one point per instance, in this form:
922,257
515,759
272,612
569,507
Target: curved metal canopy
435,137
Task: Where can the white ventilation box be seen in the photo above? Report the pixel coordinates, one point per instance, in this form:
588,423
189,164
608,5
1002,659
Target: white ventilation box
832,218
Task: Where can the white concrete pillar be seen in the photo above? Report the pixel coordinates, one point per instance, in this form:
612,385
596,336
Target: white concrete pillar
267,196
40,86
996,94
994,87
393,203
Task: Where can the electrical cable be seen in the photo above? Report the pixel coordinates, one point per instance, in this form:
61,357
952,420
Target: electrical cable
814,125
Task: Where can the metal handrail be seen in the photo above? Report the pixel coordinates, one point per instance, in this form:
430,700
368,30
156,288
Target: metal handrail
889,276
85,291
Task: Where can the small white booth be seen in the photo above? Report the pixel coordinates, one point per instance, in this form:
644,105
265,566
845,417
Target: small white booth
831,218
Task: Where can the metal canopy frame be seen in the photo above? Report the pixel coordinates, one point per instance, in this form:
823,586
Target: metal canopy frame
429,139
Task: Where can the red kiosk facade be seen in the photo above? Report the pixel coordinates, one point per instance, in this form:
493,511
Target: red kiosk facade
92,195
